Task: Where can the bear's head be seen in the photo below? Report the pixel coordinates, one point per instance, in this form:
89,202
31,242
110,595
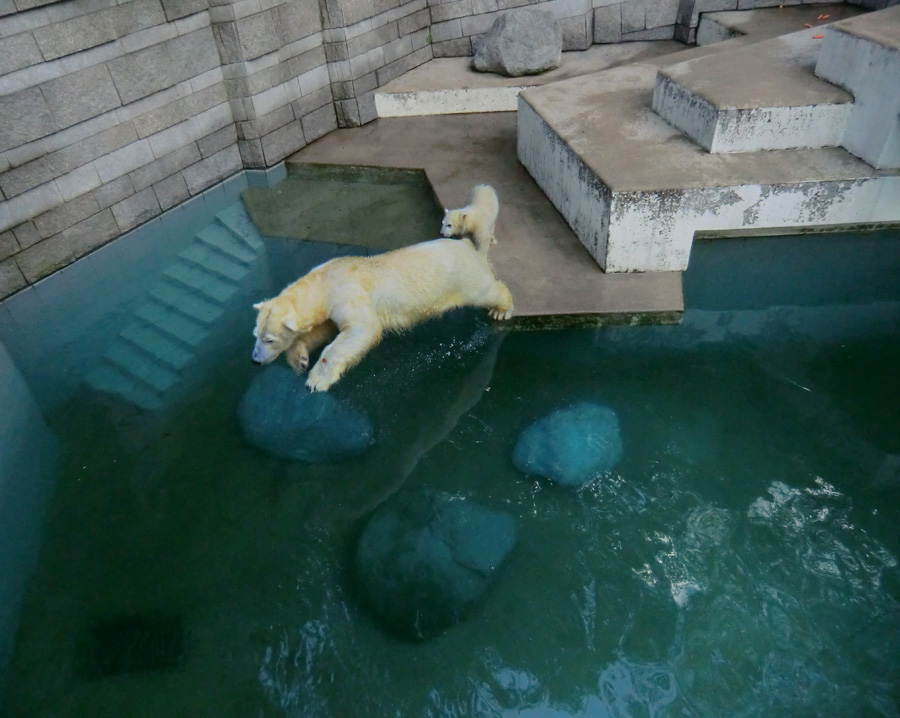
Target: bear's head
277,327
454,223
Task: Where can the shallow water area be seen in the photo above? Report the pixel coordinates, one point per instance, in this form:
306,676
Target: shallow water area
739,559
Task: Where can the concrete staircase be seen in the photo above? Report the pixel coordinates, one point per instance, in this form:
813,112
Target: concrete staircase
742,135
185,312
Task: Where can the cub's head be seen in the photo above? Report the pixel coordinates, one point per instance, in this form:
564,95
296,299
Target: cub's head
276,329
453,224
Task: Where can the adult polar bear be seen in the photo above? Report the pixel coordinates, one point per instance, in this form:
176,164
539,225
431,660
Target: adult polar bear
354,300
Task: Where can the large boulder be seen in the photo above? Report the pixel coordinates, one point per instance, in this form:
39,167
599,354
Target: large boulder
520,42
280,416
425,557
571,446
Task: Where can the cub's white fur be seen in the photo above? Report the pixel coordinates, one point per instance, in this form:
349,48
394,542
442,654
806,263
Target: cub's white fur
353,300
476,220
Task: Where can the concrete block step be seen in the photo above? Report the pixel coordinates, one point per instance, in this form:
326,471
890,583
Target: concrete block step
186,303
236,220
156,345
214,262
862,55
768,22
140,367
109,379
220,239
635,190
760,97
199,280
173,324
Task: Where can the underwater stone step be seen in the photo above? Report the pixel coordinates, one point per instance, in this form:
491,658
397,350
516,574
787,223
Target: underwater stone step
148,339
213,261
236,219
109,379
201,281
186,303
223,241
172,323
139,366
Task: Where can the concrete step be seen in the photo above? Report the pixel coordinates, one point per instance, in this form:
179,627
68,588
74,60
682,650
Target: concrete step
186,303
236,220
215,262
764,23
220,239
760,97
173,324
137,365
199,280
635,190
157,346
108,378
449,85
862,55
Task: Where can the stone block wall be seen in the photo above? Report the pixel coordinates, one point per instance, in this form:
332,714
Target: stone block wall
113,113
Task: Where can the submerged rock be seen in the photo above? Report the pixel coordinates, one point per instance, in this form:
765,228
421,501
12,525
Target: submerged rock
520,42
571,446
280,416
426,557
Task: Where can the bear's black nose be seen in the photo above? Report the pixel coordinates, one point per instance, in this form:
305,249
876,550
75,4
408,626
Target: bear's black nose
255,361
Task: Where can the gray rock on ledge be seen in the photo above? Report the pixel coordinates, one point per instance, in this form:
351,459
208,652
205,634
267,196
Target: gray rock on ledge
520,42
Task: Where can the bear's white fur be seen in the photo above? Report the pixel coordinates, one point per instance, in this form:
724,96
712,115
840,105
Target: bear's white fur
476,220
349,302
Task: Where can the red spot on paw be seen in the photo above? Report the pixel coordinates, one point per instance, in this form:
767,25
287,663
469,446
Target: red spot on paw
324,360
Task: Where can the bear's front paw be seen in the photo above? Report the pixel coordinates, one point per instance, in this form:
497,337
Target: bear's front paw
322,377
500,314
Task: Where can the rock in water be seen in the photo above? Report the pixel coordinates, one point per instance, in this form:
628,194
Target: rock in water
280,416
426,557
520,42
571,446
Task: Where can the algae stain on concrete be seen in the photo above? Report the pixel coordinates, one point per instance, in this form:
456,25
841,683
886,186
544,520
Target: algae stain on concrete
373,208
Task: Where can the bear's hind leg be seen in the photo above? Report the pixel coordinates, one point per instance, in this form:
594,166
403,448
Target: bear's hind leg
500,306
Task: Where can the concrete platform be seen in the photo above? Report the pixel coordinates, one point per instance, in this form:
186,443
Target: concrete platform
778,103
553,279
636,190
450,86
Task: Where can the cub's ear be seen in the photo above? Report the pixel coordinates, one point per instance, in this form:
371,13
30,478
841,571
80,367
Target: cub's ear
259,305
291,324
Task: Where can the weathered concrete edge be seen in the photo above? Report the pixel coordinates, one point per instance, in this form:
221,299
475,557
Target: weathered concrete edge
580,195
447,102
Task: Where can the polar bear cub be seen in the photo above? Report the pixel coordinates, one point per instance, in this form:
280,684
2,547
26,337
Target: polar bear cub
349,302
476,220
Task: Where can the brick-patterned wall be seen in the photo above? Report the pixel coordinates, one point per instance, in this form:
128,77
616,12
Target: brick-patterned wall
113,113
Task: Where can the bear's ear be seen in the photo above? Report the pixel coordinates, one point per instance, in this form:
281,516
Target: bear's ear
291,324
259,305
446,210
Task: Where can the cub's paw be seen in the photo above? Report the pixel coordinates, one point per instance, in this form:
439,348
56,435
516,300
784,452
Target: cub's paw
297,360
500,314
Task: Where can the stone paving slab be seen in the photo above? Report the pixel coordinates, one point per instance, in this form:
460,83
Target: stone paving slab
553,279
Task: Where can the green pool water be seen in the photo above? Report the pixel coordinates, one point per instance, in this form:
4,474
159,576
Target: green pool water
740,559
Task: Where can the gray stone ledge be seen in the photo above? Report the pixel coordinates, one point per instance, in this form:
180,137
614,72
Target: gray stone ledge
11,279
